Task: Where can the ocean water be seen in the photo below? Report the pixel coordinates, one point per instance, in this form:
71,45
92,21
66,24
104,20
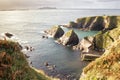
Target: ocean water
29,25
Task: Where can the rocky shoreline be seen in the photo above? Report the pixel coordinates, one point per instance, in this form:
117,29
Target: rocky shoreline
96,46
70,38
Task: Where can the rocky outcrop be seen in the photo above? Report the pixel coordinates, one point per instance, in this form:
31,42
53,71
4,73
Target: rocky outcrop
104,39
96,23
55,32
69,38
87,50
107,67
9,35
84,44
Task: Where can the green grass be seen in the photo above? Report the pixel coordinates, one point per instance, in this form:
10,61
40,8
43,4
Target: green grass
13,64
107,67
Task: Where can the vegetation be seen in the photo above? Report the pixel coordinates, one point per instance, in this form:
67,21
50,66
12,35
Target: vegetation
96,23
107,67
13,64
105,38
69,33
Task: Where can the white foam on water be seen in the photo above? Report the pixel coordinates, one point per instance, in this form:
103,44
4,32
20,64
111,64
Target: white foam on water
13,38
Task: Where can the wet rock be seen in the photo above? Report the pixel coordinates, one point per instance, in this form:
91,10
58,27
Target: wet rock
9,35
45,36
55,32
26,47
29,48
46,63
69,38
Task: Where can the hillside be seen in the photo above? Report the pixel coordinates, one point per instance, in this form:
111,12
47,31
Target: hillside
13,64
107,67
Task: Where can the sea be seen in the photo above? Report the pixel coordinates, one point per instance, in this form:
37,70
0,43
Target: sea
28,27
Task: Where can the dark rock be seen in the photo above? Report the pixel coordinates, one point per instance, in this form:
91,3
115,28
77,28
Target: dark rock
69,38
46,63
9,35
27,48
43,36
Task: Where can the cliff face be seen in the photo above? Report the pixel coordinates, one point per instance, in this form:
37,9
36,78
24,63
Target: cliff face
96,23
13,64
104,39
107,67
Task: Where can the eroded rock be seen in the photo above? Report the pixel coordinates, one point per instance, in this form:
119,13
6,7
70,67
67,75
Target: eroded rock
69,38
55,32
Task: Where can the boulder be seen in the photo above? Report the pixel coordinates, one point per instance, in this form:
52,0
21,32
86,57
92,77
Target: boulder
9,35
55,32
69,38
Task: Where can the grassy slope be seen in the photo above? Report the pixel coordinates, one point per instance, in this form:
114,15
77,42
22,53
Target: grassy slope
107,67
13,64
105,39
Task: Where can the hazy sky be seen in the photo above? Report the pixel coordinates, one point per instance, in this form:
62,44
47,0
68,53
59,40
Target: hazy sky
60,3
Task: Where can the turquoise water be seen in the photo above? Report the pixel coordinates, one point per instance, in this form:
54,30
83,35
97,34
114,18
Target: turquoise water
28,26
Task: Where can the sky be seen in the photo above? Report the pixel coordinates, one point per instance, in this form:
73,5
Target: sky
92,4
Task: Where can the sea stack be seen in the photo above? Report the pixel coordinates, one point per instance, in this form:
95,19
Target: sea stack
55,32
69,38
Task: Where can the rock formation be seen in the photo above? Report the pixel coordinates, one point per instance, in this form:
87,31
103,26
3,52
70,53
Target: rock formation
84,44
69,38
107,67
96,23
104,39
55,32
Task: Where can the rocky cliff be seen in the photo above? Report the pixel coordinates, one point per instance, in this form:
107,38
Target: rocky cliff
104,39
95,23
107,67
